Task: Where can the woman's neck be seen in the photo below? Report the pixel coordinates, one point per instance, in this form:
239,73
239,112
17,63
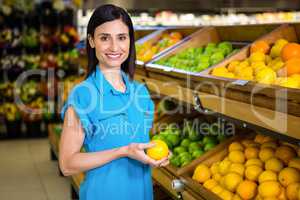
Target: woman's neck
114,77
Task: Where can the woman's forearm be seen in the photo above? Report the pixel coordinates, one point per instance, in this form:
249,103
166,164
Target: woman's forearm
81,161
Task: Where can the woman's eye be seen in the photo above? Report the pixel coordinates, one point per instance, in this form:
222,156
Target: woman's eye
122,38
104,38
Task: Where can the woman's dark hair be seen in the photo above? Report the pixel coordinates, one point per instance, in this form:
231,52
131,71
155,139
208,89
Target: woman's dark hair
106,13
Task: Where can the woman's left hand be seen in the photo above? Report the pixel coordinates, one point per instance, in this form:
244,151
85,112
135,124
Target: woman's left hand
165,161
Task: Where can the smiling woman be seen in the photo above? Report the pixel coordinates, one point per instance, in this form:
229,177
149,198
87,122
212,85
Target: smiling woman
110,115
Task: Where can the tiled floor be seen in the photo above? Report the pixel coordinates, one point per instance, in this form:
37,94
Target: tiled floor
27,172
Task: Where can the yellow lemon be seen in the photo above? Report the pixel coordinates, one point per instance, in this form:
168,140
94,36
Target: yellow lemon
214,168
257,56
237,168
201,173
210,183
289,82
268,59
217,177
295,163
252,172
236,197
266,76
267,176
292,191
226,195
254,161
237,157
269,144
219,71
232,65
251,152
245,73
247,189
159,151
269,189
274,164
232,180
266,153
276,64
235,146
285,153
217,189
288,175
224,167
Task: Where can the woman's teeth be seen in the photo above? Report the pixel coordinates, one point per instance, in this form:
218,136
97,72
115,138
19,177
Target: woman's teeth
113,56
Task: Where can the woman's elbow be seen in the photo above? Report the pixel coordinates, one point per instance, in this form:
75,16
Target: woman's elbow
65,170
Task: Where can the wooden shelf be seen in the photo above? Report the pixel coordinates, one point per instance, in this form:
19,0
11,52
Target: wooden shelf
278,122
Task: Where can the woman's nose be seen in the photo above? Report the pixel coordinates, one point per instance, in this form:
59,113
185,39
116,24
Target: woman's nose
113,45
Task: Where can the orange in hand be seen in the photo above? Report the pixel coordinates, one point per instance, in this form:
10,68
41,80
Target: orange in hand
159,151
260,46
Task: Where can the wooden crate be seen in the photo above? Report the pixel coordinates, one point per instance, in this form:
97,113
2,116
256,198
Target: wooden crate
201,38
219,155
156,36
267,94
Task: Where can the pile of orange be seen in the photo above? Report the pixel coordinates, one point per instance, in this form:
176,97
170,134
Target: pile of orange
259,168
277,64
146,51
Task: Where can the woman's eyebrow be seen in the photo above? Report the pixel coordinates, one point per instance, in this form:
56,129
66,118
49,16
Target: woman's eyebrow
103,34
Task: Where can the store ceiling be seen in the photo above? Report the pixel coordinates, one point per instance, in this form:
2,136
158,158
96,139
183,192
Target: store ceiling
200,5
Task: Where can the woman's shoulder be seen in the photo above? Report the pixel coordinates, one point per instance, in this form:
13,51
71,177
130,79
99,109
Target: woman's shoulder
140,88
83,90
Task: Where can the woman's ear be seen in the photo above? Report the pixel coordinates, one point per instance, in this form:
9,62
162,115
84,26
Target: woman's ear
91,41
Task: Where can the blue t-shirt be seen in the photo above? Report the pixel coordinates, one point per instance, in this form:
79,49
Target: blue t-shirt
113,119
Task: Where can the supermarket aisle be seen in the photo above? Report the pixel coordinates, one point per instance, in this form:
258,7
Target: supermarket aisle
26,172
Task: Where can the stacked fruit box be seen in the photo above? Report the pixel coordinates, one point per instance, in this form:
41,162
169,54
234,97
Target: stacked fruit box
159,42
273,59
250,168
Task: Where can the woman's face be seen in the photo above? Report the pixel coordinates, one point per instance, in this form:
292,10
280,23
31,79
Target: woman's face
111,42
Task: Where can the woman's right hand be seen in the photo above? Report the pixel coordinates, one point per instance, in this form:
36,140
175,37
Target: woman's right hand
137,151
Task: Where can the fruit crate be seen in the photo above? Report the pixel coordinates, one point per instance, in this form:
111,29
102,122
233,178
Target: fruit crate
200,39
264,95
184,136
156,37
267,150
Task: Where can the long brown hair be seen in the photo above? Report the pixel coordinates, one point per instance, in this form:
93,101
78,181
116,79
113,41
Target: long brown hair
106,13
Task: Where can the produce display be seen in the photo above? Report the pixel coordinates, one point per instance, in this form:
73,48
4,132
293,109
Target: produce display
277,64
146,50
199,58
259,168
190,142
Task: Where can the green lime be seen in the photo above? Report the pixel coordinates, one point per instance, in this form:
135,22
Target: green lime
175,160
209,139
185,142
197,153
185,157
194,146
209,146
173,139
179,150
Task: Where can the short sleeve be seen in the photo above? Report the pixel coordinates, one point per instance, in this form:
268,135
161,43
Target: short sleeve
76,101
